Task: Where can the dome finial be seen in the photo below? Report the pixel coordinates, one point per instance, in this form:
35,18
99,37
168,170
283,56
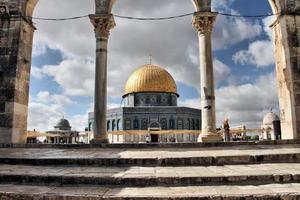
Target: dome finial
150,59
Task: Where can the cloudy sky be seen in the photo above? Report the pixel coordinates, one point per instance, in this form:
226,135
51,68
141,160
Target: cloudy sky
62,78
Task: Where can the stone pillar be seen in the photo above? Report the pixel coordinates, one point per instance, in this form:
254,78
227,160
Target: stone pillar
286,31
103,23
203,22
16,37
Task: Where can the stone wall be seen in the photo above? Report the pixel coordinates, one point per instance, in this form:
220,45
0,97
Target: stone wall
181,117
16,34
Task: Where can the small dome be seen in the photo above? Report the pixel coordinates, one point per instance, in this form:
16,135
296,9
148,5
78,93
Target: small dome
270,118
150,78
63,124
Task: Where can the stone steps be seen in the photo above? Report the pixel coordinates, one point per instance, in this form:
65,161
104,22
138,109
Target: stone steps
210,156
147,172
232,192
151,176
179,161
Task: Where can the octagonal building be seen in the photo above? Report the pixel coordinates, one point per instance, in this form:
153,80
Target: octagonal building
150,110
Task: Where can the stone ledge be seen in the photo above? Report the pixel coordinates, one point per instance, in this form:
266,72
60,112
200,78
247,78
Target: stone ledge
150,162
247,192
152,145
156,176
148,181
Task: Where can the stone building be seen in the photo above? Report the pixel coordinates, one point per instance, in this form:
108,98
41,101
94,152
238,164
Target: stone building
63,133
150,103
271,127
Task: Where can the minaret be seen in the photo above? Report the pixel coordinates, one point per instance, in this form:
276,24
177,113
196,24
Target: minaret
103,22
203,21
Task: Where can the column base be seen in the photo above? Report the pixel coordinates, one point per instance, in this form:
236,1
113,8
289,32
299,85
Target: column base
210,137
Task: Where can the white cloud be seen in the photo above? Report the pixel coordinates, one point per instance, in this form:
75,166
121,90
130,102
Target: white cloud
222,5
267,22
73,38
221,70
259,54
46,97
43,117
38,50
190,103
75,76
243,104
36,72
46,109
230,31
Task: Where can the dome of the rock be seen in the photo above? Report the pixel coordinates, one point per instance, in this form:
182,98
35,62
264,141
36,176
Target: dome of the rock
150,78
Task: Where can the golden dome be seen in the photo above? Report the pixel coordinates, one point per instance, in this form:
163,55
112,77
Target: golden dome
150,78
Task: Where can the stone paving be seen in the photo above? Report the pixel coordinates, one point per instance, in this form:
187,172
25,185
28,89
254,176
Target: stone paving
270,192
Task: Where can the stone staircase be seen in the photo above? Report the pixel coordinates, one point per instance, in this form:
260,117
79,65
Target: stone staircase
268,170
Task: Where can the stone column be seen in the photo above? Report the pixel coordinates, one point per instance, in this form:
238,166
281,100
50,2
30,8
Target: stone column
203,22
103,23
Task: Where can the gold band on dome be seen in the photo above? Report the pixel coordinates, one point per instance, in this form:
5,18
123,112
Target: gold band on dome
150,78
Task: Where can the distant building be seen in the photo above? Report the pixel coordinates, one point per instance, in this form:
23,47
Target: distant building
271,127
150,103
64,134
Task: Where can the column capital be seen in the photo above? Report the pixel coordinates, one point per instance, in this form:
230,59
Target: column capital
102,24
204,22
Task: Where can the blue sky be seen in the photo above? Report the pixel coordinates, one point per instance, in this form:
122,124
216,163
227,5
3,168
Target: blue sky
63,58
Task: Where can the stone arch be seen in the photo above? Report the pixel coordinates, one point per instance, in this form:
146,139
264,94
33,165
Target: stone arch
16,45
286,37
15,67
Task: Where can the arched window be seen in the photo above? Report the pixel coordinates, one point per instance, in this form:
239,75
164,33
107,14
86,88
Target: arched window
136,124
164,125
144,124
197,124
193,124
127,124
172,124
147,100
113,125
179,124
90,126
108,125
158,99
